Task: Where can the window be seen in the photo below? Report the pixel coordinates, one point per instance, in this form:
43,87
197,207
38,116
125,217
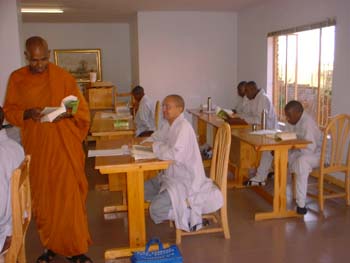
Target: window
302,68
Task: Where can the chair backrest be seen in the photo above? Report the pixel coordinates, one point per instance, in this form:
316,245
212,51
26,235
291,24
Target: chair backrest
156,113
21,211
335,155
219,161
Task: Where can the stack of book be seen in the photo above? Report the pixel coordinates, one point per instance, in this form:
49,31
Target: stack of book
140,152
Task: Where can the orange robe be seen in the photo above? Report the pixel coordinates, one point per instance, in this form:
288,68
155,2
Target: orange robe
57,172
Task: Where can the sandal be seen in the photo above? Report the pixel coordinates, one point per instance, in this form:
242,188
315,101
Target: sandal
46,257
80,259
254,183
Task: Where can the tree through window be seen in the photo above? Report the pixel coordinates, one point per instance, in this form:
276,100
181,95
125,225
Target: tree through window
303,69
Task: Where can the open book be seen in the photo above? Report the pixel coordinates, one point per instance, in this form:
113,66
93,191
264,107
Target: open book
140,152
223,113
283,136
286,136
49,114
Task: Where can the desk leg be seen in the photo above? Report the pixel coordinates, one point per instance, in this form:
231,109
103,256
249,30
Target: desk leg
136,210
136,216
202,131
280,187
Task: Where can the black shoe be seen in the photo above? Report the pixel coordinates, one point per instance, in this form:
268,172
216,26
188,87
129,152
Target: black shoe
46,257
301,210
79,259
270,175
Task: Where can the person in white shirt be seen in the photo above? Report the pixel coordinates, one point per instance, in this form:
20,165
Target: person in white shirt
182,192
144,119
258,101
242,100
11,156
301,161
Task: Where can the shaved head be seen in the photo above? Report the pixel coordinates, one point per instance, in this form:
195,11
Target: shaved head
177,99
37,54
35,42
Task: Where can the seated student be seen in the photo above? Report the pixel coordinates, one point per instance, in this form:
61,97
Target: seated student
258,101
11,156
144,119
182,192
301,161
242,100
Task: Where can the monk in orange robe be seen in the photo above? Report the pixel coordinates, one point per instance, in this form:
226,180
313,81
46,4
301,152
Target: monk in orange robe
57,172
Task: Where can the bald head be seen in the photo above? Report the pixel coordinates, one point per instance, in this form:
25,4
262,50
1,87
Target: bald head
35,42
37,54
178,100
172,107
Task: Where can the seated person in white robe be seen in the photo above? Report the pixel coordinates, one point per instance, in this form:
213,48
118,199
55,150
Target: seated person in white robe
11,156
301,161
144,119
182,192
242,100
258,101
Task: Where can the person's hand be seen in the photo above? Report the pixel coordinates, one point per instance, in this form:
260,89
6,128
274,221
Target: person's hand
62,116
33,113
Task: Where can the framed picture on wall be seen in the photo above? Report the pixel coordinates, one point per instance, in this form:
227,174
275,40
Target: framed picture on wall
79,62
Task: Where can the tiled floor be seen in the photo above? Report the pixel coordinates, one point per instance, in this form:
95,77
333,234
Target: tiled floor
314,238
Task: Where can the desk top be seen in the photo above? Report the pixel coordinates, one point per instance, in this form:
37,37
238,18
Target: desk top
264,143
125,163
105,127
213,119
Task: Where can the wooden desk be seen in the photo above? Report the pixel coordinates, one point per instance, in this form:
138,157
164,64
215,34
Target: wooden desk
242,155
104,128
280,149
117,165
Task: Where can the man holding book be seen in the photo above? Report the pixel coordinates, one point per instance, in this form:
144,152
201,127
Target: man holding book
183,192
58,181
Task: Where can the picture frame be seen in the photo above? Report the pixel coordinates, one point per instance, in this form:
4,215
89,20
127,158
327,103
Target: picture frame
79,62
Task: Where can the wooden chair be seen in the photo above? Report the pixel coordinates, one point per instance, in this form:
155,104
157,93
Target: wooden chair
21,212
218,173
157,112
335,158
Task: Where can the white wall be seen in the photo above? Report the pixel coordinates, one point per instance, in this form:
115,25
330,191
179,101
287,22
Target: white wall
112,38
10,51
134,50
254,24
193,54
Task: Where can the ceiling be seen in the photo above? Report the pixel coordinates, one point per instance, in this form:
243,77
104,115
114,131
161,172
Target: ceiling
123,10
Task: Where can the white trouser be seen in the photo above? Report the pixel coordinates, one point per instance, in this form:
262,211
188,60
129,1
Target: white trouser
301,165
264,166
